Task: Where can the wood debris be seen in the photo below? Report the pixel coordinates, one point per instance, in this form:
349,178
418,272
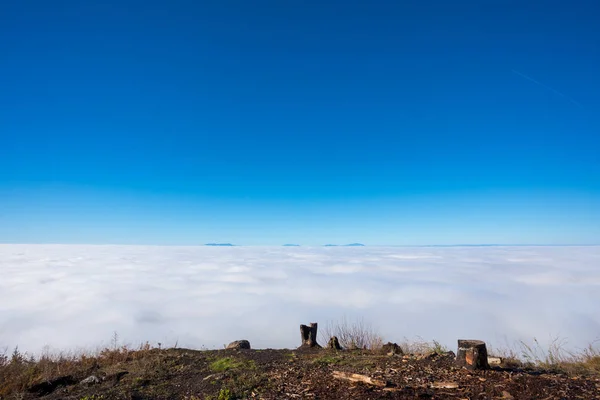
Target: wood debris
445,385
358,378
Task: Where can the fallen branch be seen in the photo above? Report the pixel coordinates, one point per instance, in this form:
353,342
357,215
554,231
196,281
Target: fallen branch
359,378
444,385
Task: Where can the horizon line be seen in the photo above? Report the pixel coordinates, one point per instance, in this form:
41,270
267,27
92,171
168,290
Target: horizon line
307,245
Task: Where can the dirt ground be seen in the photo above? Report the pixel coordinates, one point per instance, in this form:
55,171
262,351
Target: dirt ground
294,374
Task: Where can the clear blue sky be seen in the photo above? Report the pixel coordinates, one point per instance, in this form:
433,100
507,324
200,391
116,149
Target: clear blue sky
268,122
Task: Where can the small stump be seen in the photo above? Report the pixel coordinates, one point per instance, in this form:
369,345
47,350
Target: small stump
334,343
472,354
309,335
391,349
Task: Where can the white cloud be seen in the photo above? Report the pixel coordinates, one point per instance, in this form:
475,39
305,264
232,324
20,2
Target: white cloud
73,296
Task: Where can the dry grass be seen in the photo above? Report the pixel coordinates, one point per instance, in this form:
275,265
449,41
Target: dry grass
19,371
555,358
356,334
421,346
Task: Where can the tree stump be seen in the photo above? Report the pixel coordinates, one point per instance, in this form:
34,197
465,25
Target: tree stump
391,349
472,354
334,343
309,335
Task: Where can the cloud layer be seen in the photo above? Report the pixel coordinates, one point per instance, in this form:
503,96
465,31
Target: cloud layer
76,296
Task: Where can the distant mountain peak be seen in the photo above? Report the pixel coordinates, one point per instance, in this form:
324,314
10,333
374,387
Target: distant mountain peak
291,245
345,245
219,244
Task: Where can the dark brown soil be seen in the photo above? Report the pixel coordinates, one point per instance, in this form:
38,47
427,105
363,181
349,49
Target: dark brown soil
300,374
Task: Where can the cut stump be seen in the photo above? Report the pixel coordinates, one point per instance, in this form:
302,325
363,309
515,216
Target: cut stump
309,335
391,349
472,354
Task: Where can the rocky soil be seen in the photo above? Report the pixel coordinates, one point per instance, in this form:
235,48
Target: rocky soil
286,374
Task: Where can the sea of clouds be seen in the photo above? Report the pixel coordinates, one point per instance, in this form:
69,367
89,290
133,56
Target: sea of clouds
77,296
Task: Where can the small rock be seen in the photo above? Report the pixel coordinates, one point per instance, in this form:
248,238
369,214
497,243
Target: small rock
507,396
91,380
391,349
239,344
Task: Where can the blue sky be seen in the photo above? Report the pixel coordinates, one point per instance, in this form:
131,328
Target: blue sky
314,122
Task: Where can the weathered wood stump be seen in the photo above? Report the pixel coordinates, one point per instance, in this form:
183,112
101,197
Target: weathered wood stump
391,349
472,354
309,335
334,343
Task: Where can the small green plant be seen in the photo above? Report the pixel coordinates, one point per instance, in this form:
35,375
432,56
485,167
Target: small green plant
327,360
225,394
228,363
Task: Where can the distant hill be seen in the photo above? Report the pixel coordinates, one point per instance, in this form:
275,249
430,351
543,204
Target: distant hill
219,244
345,245
291,245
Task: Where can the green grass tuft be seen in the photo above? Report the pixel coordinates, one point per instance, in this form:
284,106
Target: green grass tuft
228,363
